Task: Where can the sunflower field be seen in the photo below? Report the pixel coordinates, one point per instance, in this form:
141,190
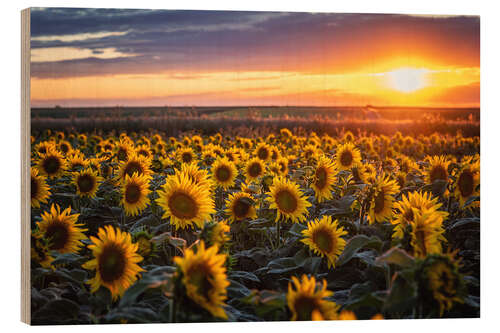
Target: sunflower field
143,227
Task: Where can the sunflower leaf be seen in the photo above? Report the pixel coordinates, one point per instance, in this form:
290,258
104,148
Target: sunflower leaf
355,244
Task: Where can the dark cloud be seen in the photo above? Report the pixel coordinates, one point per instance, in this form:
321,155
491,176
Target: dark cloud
183,41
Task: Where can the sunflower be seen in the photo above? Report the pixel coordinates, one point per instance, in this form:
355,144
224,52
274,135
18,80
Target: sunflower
186,155
360,173
347,315
426,233
185,202
437,170
346,156
254,169
115,261
135,191
286,197
203,275
307,300
134,164
324,178
61,229
414,200
466,185
198,176
382,200
43,147
51,164
64,147
439,280
219,234
76,160
224,172
40,250
263,152
240,206
123,149
323,236
283,163
40,191
144,150
145,245
86,182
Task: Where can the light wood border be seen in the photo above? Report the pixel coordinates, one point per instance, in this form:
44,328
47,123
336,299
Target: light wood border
25,166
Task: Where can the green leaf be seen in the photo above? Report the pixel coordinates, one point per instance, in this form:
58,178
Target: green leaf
297,229
59,308
355,244
395,256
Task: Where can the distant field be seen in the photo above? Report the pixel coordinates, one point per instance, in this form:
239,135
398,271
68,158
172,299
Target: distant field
209,120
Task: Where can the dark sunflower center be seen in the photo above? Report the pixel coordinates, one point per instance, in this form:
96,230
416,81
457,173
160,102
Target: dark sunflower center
282,167
143,153
438,172
182,206
199,277
58,234
86,183
356,175
108,147
286,201
304,306
133,167
42,150
77,164
187,157
223,173
241,208
132,193
64,148
409,215
34,187
379,202
51,165
321,178
263,153
346,158
466,183
122,154
112,263
255,170
323,240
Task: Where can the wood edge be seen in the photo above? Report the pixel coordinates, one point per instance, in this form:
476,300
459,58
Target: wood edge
25,166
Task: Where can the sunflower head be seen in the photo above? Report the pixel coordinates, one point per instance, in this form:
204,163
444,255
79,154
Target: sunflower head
263,152
346,156
306,300
288,200
40,250
224,172
52,163
40,191
145,246
426,232
254,169
61,230
323,179
134,164
86,182
240,206
135,191
186,155
203,278
467,182
437,169
216,233
382,199
115,261
324,237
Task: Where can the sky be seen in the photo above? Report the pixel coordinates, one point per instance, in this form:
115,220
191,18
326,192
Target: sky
109,57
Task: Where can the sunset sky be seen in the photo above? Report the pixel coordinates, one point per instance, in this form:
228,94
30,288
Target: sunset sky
108,57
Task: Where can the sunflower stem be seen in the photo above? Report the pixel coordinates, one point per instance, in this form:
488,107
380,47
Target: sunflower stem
278,225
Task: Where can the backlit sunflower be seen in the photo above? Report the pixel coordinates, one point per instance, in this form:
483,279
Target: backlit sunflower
240,206
324,178
426,233
185,202
437,169
224,173
346,156
115,261
203,275
263,152
254,169
86,182
414,200
61,229
382,201
134,164
286,197
40,191
307,300
323,236
52,164
135,191
466,184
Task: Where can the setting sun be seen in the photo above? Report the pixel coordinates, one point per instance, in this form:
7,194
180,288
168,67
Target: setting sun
407,79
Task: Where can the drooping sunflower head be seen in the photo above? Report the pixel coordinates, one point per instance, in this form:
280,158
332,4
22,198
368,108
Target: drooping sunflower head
185,202
382,200
359,173
437,169
216,233
86,182
115,261
224,172
324,178
52,164
440,281
306,300
467,182
240,206
135,191
286,197
324,237
346,156
61,230
40,191
254,169
145,246
203,276
426,233
134,164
